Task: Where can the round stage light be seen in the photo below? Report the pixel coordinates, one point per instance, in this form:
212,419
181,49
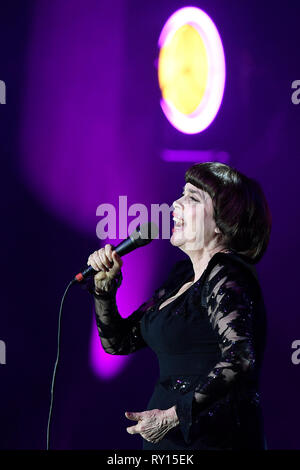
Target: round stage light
191,70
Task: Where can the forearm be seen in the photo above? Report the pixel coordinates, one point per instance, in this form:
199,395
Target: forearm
106,309
109,324
118,335
108,319
105,301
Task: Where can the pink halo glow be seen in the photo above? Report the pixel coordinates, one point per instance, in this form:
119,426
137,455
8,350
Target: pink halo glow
207,110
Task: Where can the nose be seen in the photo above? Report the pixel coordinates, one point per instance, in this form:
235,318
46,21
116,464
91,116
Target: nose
179,201
178,206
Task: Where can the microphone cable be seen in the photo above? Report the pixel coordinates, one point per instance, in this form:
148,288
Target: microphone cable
56,362
142,236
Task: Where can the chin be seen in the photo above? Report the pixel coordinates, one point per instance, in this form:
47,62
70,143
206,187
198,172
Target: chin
176,239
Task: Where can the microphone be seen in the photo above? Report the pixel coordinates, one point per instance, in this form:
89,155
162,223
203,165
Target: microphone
142,235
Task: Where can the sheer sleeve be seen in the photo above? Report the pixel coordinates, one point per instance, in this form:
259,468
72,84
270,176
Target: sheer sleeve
118,335
230,307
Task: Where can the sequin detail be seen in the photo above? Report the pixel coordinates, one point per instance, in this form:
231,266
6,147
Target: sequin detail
180,384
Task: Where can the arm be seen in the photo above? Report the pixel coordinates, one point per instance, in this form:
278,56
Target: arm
118,335
123,335
230,306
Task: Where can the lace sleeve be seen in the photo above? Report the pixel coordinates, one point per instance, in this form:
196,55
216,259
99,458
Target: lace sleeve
118,335
121,336
230,308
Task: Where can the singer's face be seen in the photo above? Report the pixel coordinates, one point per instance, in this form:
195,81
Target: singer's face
194,209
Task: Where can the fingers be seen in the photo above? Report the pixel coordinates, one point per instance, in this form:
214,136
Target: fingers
95,261
100,276
104,260
133,430
134,416
108,251
101,259
118,262
151,425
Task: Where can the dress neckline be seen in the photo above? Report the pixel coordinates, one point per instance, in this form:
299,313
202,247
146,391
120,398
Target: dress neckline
188,275
186,290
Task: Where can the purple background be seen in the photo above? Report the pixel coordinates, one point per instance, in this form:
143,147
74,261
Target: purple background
82,125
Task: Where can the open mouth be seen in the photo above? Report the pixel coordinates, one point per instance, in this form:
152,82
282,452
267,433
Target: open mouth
178,222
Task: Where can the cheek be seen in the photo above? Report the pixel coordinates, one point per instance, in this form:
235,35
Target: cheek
196,218
210,223
199,215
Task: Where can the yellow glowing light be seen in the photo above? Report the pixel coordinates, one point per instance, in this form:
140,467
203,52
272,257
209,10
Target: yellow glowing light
183,69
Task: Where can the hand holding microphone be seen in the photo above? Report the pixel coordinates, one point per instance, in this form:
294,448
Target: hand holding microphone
107,260
107,263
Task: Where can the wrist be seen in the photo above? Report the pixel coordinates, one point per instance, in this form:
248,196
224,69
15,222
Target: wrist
172,416
105,294
111,287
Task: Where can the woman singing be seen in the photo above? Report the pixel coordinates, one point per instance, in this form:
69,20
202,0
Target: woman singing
206,323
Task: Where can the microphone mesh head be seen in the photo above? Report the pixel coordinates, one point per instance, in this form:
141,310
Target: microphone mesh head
145,233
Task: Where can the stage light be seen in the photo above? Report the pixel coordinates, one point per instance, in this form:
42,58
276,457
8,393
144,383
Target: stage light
191,70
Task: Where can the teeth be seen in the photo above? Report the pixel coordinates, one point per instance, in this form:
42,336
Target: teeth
178,222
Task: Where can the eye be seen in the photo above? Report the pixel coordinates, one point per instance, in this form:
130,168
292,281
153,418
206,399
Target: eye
191,197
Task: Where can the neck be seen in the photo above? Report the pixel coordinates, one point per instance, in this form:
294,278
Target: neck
201,258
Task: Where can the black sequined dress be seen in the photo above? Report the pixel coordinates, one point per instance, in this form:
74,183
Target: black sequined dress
209,342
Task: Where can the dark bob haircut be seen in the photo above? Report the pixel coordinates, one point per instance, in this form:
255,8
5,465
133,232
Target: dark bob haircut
241,211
